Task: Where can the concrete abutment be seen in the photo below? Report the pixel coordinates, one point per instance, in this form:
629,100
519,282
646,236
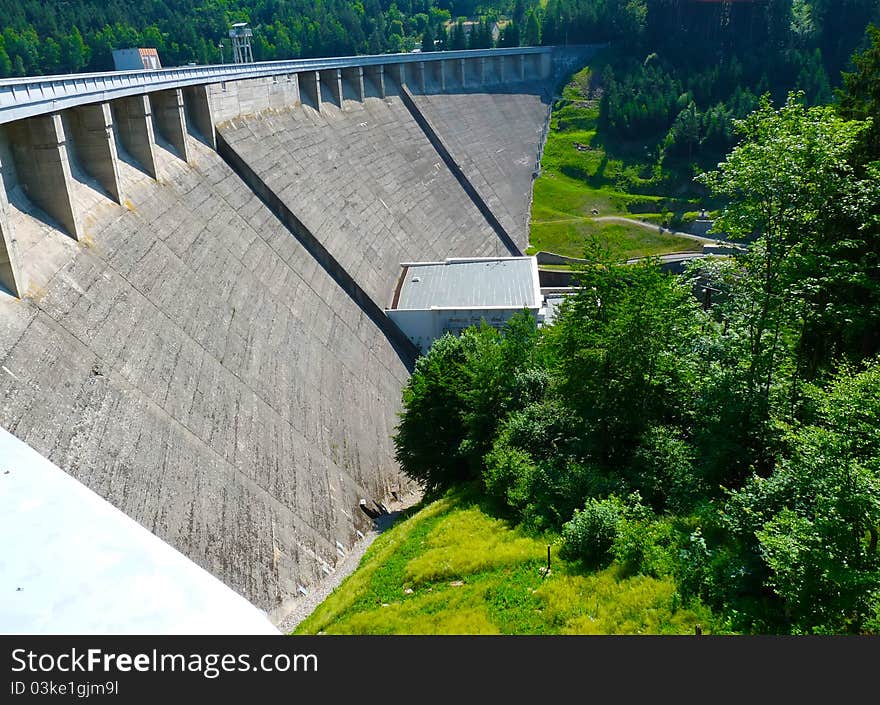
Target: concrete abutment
94,145
310,89
376,76
331,82
353,80
201,113
10,274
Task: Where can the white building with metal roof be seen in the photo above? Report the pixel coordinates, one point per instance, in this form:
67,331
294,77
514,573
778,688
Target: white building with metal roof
433,298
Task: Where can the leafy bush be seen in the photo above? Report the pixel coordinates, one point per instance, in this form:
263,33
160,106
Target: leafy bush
663,469
590,533
508,475
529,386
559,488
646,545
544,429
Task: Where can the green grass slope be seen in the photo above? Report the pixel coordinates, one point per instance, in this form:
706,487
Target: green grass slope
580,179
452,568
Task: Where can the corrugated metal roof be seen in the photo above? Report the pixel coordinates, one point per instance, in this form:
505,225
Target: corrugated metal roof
470,284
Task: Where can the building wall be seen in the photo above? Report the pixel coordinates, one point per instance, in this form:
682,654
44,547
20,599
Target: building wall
423,327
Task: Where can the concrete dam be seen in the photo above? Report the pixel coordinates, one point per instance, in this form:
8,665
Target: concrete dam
194,264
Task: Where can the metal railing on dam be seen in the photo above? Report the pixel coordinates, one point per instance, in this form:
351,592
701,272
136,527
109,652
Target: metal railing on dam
36,95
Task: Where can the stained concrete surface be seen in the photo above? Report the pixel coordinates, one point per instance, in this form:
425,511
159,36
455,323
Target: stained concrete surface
367,183
195,366
496,138
191,364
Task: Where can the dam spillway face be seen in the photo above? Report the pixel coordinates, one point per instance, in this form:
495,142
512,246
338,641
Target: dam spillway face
191,280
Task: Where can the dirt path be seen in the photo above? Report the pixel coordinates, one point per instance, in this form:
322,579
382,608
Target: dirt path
632,221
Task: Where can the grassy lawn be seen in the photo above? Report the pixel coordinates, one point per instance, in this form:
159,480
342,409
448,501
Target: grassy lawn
452,568
581,175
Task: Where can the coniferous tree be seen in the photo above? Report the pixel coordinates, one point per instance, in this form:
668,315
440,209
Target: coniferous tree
532,32
428,39
458,38
860,97
442,37
508,35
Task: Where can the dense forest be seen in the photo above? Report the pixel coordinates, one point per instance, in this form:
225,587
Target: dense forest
721,427
809,40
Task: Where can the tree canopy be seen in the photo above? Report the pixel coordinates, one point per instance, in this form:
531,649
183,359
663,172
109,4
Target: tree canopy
733,445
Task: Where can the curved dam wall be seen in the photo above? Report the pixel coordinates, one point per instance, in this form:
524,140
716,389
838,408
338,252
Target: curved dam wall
496,136
192,277
367,182
192,364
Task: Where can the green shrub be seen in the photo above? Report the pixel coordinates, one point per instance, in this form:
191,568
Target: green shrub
590,533
529,386
507,475
663,469
646,545
643,205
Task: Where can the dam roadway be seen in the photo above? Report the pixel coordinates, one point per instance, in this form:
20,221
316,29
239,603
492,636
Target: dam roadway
193,267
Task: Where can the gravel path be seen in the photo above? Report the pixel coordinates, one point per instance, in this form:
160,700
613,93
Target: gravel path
634,221
305,605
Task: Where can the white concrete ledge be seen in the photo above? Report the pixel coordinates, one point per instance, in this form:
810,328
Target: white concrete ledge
71,563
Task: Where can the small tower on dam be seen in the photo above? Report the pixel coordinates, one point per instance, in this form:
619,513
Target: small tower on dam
241,34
